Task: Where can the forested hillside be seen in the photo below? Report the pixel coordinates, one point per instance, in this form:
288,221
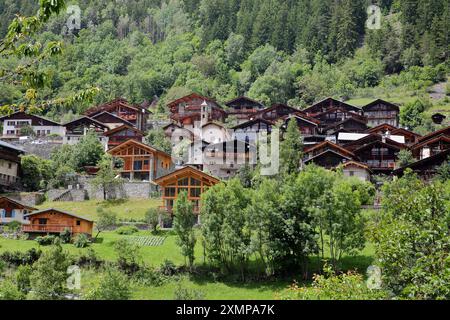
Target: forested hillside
290,51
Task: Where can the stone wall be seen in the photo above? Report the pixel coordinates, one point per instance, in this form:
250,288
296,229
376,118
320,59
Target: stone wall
129,190
29,199
76,195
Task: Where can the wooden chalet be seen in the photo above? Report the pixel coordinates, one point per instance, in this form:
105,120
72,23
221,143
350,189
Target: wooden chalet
78,128
110,120
369,138
337,115
327,155
123,133
380,112
120,107
141,161
275,113
12,210
306,125
410,137
444,131
54,221
193,108
432,147
328,104
427,167
9,165
188,179
352,124
379,156
243,108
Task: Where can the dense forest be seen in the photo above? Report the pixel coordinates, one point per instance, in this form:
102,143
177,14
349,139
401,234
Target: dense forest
289,51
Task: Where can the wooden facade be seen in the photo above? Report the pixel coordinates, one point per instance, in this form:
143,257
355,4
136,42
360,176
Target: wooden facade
275,112
379,156
122,134
330,103
327,155
53,221
111,120
380,111
141,161
432,147
188,179
188,110
243,108
134,114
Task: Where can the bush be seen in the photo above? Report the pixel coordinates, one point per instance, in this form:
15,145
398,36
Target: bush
168,268
345,286
81,241
188,294
89,259
66,236
113,285
127,230
13,226
18,258
128,256
148,276
46,240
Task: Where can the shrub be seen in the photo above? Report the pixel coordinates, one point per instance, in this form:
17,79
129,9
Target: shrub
330,286
113,285
13,226
66,236
127,230
186,294
46,240
18,258
168,268
89,259
128,256
81,241
148,276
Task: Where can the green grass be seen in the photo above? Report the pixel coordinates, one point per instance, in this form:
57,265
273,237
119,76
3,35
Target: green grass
125,209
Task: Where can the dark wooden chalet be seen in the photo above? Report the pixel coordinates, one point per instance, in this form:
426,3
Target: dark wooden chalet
427,167
334,116
379,156
189,109
429,148
54,221
380,112
444,131
111,120
306,125
330,103
276,112
243,108
410,137
123,133
327,155
355,125
121,108
372,137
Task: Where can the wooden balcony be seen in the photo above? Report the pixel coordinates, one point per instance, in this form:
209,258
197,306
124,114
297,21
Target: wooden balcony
170,209
45,228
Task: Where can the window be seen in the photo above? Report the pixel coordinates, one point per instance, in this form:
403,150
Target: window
169,192
195,182
78,223
352,173
183,182
196,192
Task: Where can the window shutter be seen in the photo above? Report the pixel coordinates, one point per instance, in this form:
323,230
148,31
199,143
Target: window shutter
2,213
13,213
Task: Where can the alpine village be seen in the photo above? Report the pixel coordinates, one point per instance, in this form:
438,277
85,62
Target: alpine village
191,193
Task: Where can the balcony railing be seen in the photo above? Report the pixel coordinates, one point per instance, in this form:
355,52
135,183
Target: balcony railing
46,228
170,209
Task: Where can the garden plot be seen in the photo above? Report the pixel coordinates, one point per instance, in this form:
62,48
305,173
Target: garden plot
148,241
